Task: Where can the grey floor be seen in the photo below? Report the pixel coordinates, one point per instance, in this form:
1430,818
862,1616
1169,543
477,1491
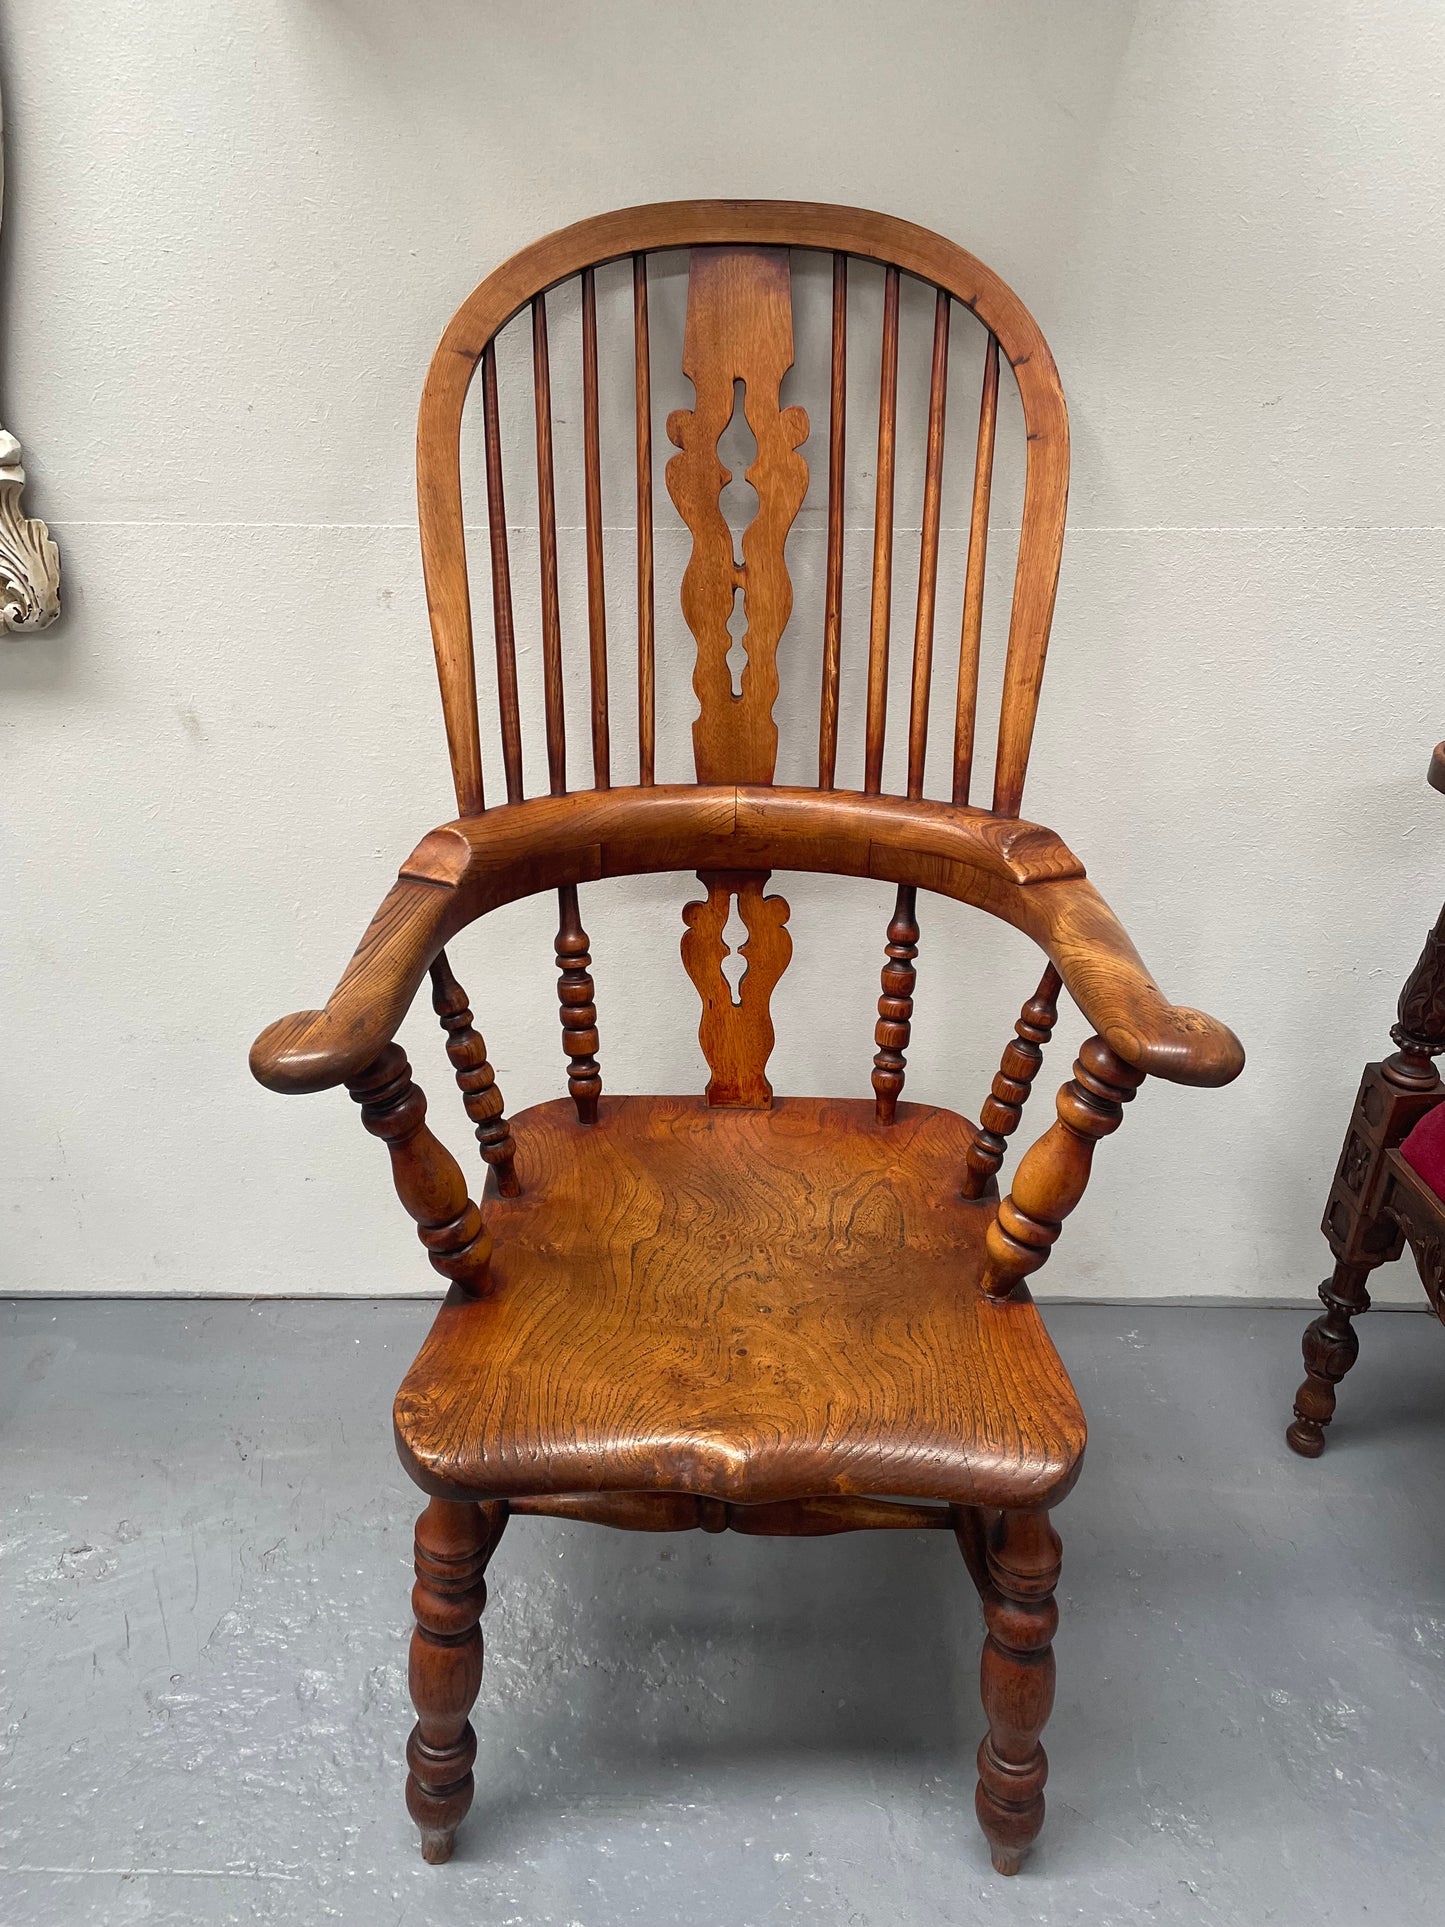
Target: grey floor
206,1565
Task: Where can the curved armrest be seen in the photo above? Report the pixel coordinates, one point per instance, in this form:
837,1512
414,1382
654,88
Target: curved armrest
1015,870
1105,976
314,1049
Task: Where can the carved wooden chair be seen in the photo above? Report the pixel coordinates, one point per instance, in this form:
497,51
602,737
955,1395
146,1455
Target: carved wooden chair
802,1315
1389,1187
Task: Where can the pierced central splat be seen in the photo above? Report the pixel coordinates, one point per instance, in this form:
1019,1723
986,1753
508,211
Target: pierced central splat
736,1032
738,343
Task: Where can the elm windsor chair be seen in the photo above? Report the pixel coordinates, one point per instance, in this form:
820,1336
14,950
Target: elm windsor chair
794,1317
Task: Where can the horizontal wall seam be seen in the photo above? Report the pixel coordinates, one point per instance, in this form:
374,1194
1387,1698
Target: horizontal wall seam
853,528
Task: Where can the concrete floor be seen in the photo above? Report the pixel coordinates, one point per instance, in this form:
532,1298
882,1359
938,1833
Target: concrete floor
206,1568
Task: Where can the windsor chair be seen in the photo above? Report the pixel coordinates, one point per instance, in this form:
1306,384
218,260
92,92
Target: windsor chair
1389,1184
729,1311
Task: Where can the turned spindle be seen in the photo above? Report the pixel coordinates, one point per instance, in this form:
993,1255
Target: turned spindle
1393,1097
895,1005
1004,1105
427,1177
1054,1172
454,1542
578,1002
1023,1554
476,1080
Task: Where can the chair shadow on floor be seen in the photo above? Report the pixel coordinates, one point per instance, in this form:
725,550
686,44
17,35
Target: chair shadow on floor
673,1660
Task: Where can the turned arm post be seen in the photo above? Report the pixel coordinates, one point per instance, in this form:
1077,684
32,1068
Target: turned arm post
428,1178
1004,1105
476,1080
1054,1172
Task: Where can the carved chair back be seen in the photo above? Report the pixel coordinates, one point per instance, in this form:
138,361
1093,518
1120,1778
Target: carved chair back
737,595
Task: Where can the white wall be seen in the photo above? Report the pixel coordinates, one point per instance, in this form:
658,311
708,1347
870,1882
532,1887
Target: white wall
233,236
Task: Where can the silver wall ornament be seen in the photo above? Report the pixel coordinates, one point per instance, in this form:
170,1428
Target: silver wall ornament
29,560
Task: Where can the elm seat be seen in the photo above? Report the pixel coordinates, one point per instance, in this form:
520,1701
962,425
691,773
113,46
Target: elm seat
746,1305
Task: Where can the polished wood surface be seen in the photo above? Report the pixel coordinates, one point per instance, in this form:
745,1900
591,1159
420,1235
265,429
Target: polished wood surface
752,230
1377,1204
895,1005
1004,1105
739,331
971,640
454,1544
730,1311
476,1080
736,1032
1015,870
746,1305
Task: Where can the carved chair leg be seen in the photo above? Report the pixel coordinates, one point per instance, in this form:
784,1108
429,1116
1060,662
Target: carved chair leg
453,1545
1017,1677
1330,1349
1054,1172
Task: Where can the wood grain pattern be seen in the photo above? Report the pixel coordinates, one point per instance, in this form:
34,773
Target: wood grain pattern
928,551
1017,1682
880,615
503,621
578,1003
749,1306
1054,1172
1013,869
476,1080
556,719
786,1518
752,226
895,1005
454,1544
646,647
736,1034
833,591
1005,1102
739,329
970,645
596,578
712,1314
427,1177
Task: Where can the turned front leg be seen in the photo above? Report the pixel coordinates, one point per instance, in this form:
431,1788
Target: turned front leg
454,1542
1054,1173
428,1178
1017,1681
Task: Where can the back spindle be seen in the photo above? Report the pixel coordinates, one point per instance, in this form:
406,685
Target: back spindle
928,550
882,606
596,595
895,1006
547,547
971,639
503,624
833,598
578,1002
646,668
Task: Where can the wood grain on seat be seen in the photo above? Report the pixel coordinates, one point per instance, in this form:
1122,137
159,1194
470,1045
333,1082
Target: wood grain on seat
746,1305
